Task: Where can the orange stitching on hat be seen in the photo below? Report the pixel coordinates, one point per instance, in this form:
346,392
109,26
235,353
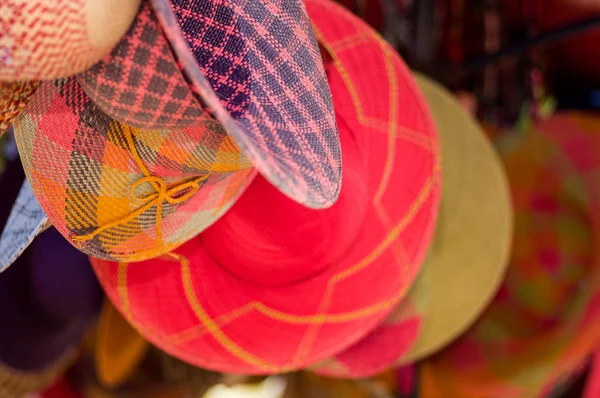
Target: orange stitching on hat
176,194
211,326
222,320
122,288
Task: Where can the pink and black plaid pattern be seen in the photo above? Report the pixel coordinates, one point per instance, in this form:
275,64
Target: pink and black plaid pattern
139,83
257,66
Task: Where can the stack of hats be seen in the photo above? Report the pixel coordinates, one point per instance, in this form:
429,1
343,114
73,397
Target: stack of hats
264,187
543,324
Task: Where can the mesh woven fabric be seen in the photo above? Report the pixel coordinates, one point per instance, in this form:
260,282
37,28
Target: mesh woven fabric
48,39
256,66
139,83
119,199
13,98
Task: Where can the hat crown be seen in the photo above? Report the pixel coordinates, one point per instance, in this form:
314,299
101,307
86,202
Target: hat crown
269,239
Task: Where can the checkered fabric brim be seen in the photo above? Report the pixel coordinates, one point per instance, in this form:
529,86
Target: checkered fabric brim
255,65
121,193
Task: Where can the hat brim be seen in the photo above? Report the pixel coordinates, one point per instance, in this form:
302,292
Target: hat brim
26,221
278,109
546,315
84,179
233,325
119,347
466,261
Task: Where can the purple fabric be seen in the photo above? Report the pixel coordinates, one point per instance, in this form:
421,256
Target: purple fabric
63,282
30,337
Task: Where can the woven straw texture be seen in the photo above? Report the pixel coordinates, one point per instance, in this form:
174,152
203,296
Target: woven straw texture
17,384
459,277
545,320
25,222
256,66
120,193
13,98
390,200
139,83
48,39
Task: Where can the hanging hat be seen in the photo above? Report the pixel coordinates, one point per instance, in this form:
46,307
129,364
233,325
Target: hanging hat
119,348
38,345
253,65
48,39
121,193
13,98
466,261
545,320
275,286
26,221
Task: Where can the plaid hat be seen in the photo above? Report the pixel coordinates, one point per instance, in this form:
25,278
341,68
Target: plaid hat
545,321
272,288
466,261
50,39
121,193
253,65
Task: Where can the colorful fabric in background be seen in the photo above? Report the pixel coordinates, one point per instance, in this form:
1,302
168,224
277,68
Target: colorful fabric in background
49,39
545,321
274,271
44,325
579,54
305,384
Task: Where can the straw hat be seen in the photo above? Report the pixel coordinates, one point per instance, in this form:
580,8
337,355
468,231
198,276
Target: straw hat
119,348
25,222
13,98
122,193
466,261
48,39
42,339
253,65
545,321
275,286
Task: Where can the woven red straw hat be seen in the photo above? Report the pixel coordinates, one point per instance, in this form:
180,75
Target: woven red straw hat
121,193
546,315
253,65
274,286
466,261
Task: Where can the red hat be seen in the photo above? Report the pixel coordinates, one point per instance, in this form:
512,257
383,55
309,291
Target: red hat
463,270
274,286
